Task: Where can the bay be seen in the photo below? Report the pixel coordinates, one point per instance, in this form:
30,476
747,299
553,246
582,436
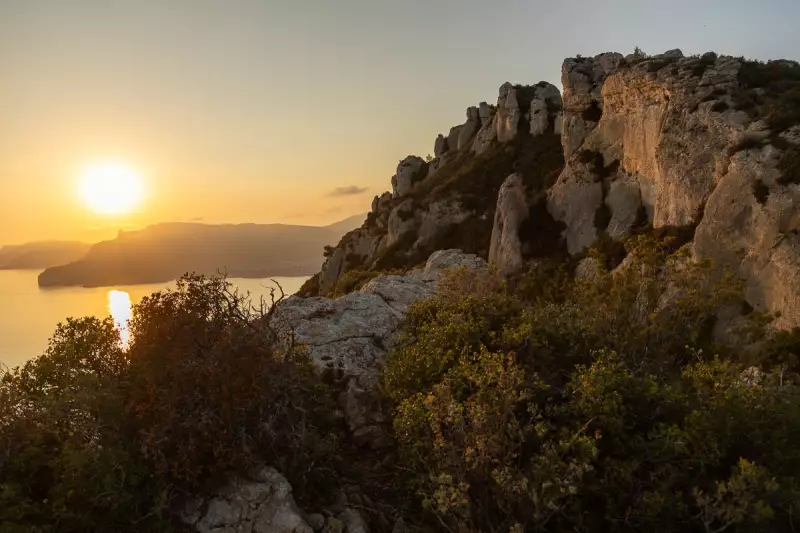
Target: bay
29,315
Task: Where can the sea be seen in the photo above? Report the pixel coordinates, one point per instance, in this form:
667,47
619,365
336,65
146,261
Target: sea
29,315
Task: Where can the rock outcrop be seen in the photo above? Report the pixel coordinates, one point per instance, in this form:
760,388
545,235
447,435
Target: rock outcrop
661,141
263,504
351,335
505,250
407,171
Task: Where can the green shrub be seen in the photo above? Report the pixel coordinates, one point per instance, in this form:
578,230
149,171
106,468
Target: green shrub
789,166
98,437
592,405
352,280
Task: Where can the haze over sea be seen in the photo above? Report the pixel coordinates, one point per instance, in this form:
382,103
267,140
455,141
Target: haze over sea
29,315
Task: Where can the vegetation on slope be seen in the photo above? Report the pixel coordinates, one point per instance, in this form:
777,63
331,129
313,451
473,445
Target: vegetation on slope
547,405
97,437
538,403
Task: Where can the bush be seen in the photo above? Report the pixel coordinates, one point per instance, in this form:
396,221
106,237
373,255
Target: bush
591,406
789,166
352,280
99,437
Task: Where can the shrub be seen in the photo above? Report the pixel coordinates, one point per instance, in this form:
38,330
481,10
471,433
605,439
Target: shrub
97,437
352,280
592,406
789,166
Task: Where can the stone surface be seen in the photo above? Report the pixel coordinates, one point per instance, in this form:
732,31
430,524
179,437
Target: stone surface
686,162
486,135
508,113
505,250
333,525
352,334
331,270
263,504
452,137
583,79
545,106
574,200
316,521
403,180
485,113
437,218
440,147
401,221
353,521
469,128
623,200
587,268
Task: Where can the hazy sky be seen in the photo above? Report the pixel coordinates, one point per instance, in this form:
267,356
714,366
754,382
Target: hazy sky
245,110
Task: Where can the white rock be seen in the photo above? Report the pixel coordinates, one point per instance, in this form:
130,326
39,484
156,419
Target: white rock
353,521
260,505
403,180
505,249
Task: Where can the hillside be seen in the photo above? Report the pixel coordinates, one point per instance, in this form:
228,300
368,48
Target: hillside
704,149
582,315
164,252
41,255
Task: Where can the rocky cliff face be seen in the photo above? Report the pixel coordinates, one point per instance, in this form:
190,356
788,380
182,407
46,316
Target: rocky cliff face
449,202
705,149
688,143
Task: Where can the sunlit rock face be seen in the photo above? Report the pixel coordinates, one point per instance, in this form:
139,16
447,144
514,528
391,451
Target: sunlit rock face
662,142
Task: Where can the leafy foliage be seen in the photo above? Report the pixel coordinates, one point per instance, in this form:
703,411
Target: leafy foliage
96,436
592,406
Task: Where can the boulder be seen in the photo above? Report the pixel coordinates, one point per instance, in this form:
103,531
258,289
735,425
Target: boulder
486,135
352,334
508,113
545,106
263,504
623,200
469,128
505,250
353,521
583,79
452,137
401,221
485,113
403,180
331,270
374,207
587,268
440,147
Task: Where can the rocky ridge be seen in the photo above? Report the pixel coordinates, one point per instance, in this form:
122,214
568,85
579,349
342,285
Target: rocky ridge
668,145
448,200
682,143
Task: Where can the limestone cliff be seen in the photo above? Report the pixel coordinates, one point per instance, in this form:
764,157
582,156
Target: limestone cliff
704,148
701,144
449,201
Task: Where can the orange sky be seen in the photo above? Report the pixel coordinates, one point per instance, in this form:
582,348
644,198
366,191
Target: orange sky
255,110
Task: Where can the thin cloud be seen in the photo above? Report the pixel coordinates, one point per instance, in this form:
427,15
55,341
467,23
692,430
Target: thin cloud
350,190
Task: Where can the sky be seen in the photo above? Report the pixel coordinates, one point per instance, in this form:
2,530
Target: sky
292,111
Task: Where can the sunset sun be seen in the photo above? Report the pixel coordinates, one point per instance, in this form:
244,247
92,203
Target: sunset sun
111,188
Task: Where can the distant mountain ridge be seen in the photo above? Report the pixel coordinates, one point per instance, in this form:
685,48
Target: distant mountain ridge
41,255
164,252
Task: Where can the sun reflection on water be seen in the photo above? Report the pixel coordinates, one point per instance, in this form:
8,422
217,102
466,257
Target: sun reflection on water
119,306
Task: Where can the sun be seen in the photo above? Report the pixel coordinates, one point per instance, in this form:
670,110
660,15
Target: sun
111,187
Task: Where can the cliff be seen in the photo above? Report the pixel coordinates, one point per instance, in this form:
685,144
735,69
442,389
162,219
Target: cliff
703,149
41,255
164,252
